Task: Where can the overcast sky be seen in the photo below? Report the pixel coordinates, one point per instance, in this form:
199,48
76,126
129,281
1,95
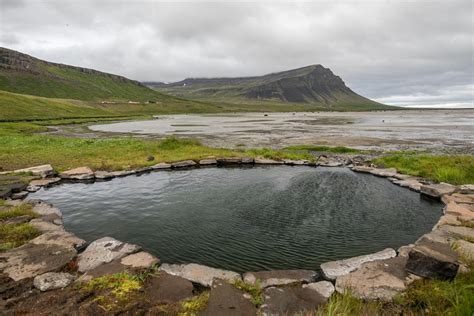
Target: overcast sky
398,52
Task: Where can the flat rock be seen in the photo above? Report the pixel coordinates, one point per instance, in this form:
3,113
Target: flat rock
412,184
376,280
81,173
401,176
364,169
389,172
403,251
45,226
433,260
280,277
466,189
207,162
44,182
165,288
31,260
19,196
324,288
248,160
102,251
447,219
292,162
43,208
290,301
465,249
140,259
437,235
331,164
226,299
123,173
103,175
459,231
52,281
332,270
18,219
43,170
264,161
183,164
229,161
458,198
197,273
437,190
456,209
32,189
60,238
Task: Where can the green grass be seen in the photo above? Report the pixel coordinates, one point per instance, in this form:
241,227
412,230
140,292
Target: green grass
15,235
454,169
336,150
193,306
19,210
254,290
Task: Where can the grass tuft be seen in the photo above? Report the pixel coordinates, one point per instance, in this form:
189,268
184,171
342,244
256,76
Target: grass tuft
15,211
193,306
15,235
254,290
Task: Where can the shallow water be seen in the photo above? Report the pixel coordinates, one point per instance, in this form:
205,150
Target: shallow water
244,219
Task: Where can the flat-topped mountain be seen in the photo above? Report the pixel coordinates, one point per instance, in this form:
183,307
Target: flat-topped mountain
21,73
313,84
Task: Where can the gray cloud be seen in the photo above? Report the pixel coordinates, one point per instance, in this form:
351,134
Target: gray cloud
396,51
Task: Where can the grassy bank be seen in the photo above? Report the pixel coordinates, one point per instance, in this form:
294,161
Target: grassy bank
15,234
454,169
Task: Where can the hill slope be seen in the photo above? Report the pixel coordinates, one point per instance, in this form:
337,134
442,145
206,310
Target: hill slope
21,73
311,85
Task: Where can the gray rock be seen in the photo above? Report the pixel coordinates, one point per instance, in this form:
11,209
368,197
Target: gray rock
102,251
390,172
412,184
292,162
43,208
363,169
264,161
437,190
330,164
103,175
226,299
466,189
332,270
197,273
280,277
81,173
52,281
207,162
183,164
459,231
324,288
123,173
165,288
161,165
291,301
140,259
60,238
248,160
31,188
44,182
31,260
229,161
404,251
45,226
20,195
436,235
43,170
376,280
433,260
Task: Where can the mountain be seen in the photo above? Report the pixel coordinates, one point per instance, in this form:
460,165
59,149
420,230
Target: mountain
24,74
313,84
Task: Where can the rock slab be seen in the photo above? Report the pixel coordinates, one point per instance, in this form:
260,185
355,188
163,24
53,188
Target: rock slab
197,273
279,277
52,281
437,190
324,288
291,301
333,269
81,173
433,260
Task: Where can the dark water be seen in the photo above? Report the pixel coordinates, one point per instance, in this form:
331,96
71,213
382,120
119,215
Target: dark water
248,219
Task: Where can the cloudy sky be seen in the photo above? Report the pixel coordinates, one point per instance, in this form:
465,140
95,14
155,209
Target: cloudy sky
400,52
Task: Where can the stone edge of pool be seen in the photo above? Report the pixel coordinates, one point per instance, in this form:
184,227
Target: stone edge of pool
376,276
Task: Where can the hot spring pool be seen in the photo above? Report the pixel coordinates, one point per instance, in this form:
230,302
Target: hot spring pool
247,219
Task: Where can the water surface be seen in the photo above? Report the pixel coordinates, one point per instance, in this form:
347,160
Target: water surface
246,219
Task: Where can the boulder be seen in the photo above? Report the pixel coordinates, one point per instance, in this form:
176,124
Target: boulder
376,280
225,299
229,161
197,273
465,249
403,251
183,164
207,162
102,251
264,161
60,238
433,260
332,270
103,175
44,182
389,172
43,170
324,288
81,173
31,260
291,301
165,288
437,190
280,277
52,281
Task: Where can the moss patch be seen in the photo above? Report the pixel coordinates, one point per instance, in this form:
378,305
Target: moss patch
193,306
254,290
